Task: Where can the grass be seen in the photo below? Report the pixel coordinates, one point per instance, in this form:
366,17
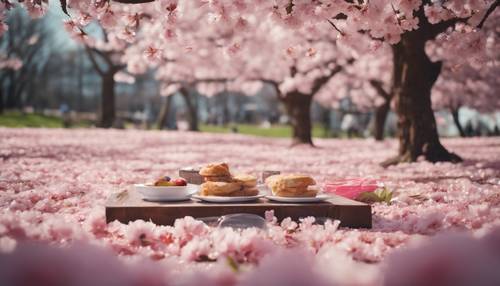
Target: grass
250,129
19,120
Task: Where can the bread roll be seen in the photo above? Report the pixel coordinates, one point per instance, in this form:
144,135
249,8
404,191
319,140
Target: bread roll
295,181
272,180
294,192
247,180
215,170
218,179
219,188
291,185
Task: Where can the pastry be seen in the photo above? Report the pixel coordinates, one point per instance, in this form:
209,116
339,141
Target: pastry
220,182
294,185
218,179
219,188
215,170
247,180
250,191
272,180
294,192
295,181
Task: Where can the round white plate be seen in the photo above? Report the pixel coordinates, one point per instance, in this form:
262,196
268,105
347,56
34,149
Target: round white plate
220,199
166,194
316,199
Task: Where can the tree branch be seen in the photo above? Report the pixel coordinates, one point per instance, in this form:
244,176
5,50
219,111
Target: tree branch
133,1
321,81
377,85
335,27
92,58
490,10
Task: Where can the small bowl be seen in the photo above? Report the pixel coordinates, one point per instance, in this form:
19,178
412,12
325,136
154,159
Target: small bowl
166,193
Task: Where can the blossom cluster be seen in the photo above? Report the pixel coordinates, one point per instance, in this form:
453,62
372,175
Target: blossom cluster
228,45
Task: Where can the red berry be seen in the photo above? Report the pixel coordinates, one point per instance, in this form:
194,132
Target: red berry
180,182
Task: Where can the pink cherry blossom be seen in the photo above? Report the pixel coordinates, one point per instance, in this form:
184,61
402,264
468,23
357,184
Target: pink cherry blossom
54,184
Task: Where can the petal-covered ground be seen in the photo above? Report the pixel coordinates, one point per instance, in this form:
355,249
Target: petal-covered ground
54,183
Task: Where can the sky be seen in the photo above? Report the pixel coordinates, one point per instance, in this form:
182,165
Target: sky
55,16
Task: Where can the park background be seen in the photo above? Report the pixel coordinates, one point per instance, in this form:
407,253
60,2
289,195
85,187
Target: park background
58,86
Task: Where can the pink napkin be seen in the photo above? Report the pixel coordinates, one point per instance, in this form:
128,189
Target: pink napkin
351,188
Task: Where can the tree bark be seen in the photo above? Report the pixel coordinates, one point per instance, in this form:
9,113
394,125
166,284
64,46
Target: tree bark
414,75
325,118
192,109
298,107
456,120
2,106
107,108
381,112
11,101
163,116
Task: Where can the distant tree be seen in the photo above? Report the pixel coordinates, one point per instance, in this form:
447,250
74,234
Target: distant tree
26,40
105,58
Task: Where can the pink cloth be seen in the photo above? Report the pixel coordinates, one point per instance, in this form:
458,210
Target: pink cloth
351,188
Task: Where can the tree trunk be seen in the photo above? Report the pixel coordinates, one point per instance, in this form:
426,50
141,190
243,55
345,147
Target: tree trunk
107,108
455,115
193,112
298,107
381,112
413,77
326,118
225,108
163,116
2,107
11,101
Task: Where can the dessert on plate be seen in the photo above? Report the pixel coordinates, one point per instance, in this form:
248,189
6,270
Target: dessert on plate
292,185
220,182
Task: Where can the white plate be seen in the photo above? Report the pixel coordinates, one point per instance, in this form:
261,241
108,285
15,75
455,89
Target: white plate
316,199
163,193
220,199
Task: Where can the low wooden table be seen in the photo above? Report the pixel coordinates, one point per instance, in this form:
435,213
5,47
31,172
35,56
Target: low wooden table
129,206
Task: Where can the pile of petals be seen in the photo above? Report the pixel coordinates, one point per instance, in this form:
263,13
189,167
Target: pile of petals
443,221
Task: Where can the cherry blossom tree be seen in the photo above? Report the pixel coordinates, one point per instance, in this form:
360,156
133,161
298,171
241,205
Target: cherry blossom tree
473,84
105,62
22,56
220,62
467,86
302,65
367,84
408,26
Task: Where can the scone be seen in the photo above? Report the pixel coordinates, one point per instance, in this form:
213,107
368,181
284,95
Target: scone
250,191
272,180
247,180
245,192
216,172
227,179
294,192
295,181
291,185
219,188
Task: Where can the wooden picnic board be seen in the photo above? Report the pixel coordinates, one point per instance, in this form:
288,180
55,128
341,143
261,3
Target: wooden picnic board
129,206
